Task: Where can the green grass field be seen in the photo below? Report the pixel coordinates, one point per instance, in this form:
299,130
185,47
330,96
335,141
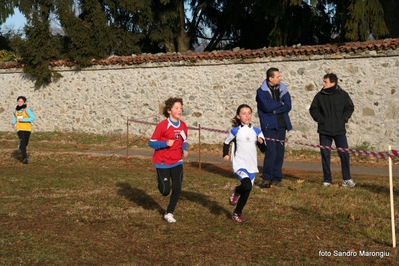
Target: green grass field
71,207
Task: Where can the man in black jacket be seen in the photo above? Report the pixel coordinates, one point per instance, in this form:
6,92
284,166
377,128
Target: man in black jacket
331,108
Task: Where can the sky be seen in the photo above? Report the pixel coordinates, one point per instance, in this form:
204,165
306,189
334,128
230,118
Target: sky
14,22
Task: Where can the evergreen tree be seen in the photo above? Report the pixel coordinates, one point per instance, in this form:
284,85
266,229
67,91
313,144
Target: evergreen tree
7,9
87,36
38,48
366,17
391,11
170,26
127,20
96,29
4,42
254,24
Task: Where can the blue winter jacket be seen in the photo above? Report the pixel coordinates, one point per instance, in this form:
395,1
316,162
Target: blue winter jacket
269,108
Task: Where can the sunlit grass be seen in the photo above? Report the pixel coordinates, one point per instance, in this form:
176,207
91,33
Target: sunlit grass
76,208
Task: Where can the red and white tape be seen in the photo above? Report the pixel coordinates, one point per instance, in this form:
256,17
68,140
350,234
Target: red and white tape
381,155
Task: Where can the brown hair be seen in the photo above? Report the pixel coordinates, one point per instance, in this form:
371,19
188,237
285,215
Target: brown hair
235,121
332,77
21,97
169,104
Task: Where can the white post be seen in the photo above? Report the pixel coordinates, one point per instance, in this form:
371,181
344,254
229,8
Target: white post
391,196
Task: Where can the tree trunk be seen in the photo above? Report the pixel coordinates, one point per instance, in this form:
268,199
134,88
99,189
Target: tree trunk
183,38
169,46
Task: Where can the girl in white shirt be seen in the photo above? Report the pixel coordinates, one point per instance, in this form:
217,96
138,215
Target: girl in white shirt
244,138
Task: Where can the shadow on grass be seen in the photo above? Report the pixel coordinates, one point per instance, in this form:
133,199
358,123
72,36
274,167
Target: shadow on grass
223,170
16,154
142,199
377,189
291,177
285,176
202,199
138,196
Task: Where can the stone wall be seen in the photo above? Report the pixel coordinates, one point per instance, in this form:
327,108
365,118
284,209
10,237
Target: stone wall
100,99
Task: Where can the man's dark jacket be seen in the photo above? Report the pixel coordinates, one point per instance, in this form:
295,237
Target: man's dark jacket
331,108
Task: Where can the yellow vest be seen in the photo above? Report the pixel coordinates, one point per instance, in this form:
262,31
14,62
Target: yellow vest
24,126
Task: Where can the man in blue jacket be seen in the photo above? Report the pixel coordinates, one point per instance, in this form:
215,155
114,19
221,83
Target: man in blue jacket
331,108
274,103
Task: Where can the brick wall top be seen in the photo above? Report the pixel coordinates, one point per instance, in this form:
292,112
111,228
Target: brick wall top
375,48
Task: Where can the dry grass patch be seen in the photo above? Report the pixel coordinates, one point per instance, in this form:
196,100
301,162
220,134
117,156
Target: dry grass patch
78,209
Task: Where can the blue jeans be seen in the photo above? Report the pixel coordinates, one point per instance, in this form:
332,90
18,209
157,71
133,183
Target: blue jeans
274,155
340,142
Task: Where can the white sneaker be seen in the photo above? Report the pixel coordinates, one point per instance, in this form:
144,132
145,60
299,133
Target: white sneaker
348,183
326,184
169,217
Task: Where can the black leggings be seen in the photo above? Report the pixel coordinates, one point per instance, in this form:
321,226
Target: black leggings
163,176
244,190
23,142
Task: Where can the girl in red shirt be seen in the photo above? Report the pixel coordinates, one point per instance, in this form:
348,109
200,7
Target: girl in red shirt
169,142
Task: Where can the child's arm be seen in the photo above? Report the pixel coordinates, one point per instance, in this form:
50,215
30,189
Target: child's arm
227,141
261,143
14,120
184,149
226,148
155,141
31,117
157,145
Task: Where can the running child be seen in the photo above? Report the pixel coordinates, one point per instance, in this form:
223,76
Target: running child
22,122
244,159
169,143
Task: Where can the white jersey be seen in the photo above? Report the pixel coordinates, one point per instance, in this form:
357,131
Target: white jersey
243,152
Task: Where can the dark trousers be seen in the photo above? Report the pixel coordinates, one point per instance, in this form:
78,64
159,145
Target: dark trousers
274,155
340,142
24,137
244,190
164,175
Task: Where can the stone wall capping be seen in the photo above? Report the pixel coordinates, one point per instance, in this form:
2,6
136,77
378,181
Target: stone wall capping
387,47
99,98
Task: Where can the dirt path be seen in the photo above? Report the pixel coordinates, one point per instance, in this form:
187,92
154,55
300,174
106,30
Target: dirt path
371,169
